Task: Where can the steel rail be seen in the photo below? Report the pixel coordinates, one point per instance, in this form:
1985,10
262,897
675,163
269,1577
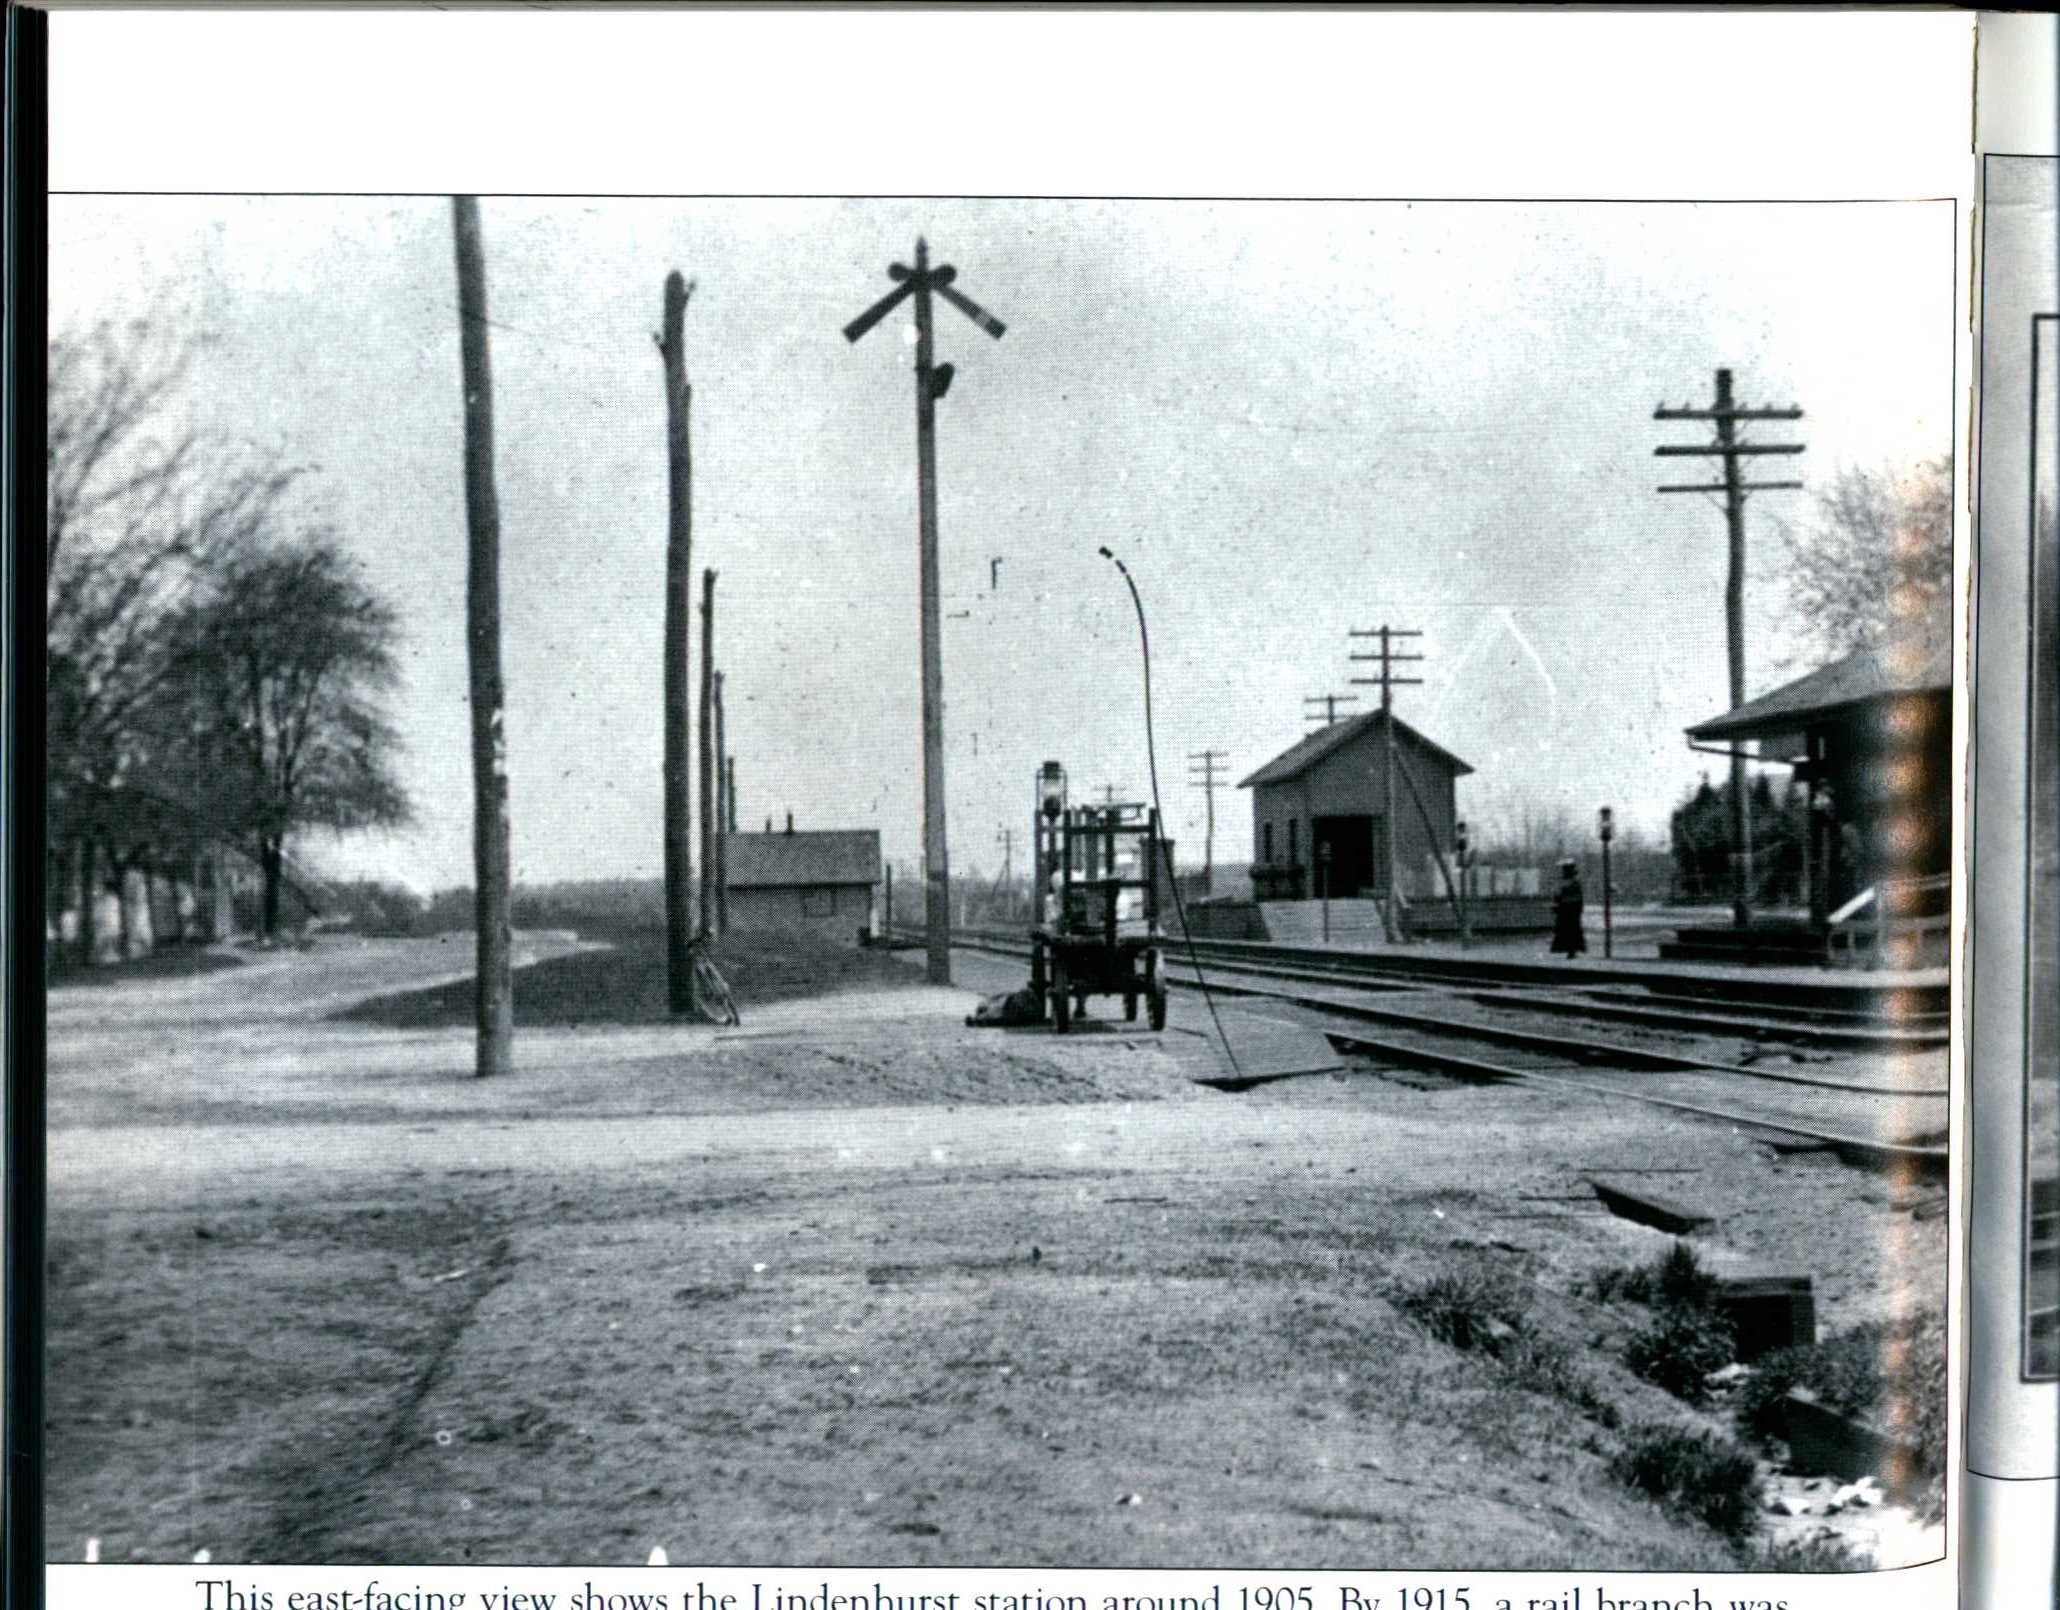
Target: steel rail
1552,1044
1931,1159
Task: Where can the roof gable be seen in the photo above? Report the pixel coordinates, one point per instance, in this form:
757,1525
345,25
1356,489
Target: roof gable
1326,741
1916,658
787,860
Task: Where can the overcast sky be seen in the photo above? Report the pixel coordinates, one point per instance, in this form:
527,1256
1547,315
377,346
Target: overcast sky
1291,419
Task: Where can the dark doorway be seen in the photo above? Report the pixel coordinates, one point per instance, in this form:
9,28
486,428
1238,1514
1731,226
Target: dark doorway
1351,841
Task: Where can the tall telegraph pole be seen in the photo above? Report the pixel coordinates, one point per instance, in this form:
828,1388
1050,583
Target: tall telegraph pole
1726,415
1203,772
679,583
725,810
494,984
932,382
708,827
1387,681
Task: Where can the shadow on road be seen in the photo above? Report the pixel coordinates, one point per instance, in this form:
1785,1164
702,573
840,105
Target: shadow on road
625,982
178,962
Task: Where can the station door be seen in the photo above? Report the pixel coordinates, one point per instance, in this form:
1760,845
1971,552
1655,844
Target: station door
1354,855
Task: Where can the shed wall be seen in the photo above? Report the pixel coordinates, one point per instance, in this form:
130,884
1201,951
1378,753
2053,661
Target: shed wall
834,912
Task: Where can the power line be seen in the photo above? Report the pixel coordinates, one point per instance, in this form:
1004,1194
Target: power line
1387,682
1206,779
1330,703
1726,415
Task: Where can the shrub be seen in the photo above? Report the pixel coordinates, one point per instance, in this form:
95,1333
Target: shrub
1682,1281
1680,1349
1471,1309
1675,1277
1696,1473
1890,1374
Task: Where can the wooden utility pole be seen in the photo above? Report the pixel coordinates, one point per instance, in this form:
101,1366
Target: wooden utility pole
1726,415
679,581
932,382
1203,773
707,752
1430,831
729,789
1387,681
494,987
724,807
1328,716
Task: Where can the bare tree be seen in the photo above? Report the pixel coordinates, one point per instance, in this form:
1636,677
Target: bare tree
138,511
275,690
1877,552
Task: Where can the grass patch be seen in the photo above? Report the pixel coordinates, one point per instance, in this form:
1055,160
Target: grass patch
1825,1551
1889,1374
1479,1310
1693,1473
1475,1310
1539,1364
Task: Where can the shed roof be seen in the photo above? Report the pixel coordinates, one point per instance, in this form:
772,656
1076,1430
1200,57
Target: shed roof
789,860
1915,658
1324,741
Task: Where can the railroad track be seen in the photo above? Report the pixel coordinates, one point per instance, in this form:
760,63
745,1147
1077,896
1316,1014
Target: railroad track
1874,1121
1764,1021
1872,1125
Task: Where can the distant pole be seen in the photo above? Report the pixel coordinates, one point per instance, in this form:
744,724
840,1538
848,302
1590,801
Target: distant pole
707,752
1328,716
1207,779
1726,415
1323,879
730,792
722,819
679,582
1388,682
1605,829
494,990
932,381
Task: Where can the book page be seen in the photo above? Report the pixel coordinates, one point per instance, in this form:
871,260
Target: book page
1292,949
2011,1271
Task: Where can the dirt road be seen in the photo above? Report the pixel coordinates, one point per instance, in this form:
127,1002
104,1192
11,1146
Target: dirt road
854,1284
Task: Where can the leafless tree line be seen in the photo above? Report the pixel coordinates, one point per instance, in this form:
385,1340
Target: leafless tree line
216,666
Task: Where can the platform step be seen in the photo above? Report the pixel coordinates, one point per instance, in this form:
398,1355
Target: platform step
1771,944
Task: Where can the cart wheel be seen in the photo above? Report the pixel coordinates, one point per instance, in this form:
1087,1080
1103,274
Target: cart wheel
1061,1000
1130,1009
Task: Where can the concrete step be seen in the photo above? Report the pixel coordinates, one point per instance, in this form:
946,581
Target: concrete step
1302,921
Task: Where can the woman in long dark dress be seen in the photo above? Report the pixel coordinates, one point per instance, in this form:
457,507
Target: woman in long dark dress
1569,939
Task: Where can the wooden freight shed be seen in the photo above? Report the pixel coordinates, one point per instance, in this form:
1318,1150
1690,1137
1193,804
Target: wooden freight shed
822,882
1328,792
1871,738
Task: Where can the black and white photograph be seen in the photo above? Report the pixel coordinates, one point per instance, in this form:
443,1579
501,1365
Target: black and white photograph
1301,920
